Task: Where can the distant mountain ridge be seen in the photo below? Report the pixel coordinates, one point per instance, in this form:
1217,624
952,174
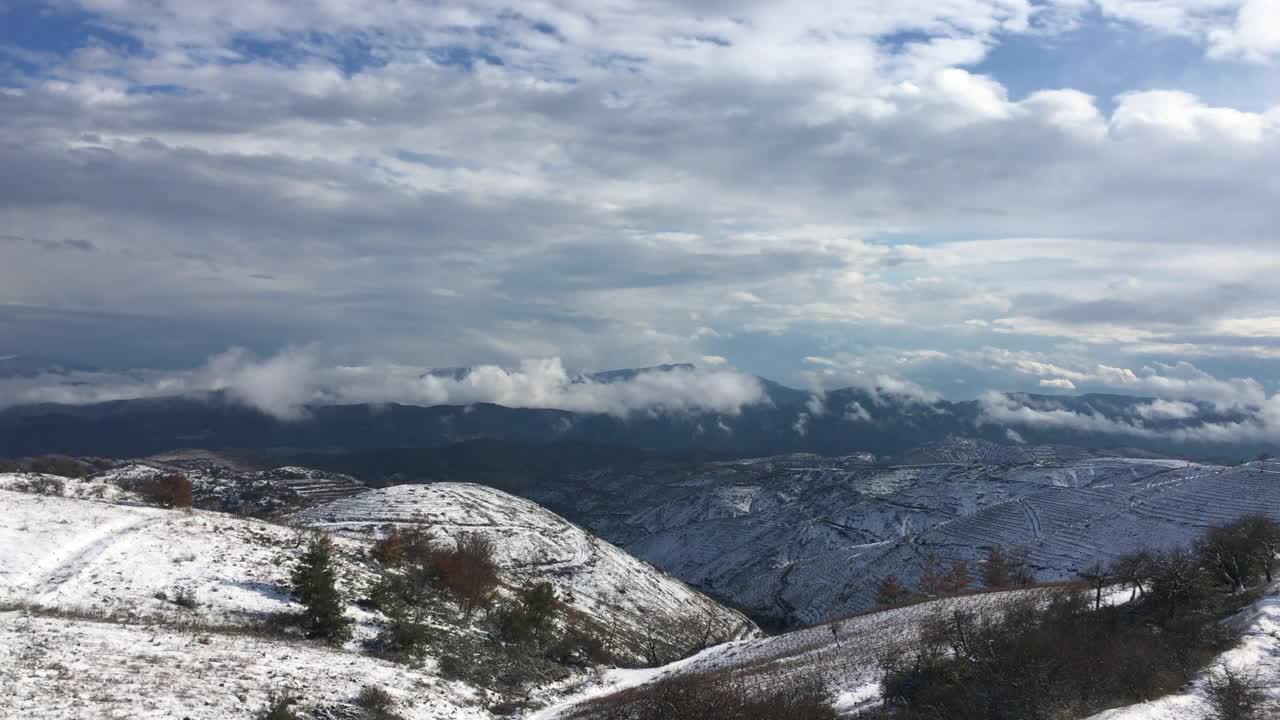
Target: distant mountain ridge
839,422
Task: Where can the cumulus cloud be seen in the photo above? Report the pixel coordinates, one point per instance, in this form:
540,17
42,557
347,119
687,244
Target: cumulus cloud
284,385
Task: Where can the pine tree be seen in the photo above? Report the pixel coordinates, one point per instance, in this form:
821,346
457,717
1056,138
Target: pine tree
314,585
531,616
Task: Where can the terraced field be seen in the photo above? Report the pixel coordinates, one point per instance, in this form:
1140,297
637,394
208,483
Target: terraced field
802,539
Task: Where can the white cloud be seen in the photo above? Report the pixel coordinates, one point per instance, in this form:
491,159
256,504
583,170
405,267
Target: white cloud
1262,424
855,412
1057,384
1255,34
1168,410
285,384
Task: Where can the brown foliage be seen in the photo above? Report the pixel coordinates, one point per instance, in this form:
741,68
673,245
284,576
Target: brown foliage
389,549
891,592
467,571
171,491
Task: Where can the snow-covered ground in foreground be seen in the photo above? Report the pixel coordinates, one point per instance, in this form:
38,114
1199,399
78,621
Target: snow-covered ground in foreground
61,669
68,554
619,591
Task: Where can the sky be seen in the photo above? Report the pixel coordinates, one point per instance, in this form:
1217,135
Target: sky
957,196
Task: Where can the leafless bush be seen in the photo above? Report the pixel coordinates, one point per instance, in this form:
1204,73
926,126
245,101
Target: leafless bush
1235,695
377,703
279,707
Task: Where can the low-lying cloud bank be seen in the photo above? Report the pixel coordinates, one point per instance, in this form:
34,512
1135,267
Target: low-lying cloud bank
1174,421
285,384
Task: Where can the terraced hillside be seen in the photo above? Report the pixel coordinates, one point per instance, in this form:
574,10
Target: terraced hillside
802,539
634,601
228,487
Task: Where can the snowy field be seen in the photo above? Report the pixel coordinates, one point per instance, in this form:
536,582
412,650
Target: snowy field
68,554
62,669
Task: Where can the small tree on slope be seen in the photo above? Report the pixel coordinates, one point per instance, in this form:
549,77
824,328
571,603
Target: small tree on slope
314,585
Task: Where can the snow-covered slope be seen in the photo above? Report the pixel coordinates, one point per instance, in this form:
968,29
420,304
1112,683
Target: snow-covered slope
71,555
111,610
631,598
805,539
54,668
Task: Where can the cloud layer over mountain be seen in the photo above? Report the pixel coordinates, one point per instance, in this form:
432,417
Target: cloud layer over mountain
967,196
285,384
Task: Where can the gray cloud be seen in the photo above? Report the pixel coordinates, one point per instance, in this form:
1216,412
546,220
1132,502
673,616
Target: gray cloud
614,188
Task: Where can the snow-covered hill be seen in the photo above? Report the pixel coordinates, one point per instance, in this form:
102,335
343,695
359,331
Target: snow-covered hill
161,613
110,610
635,601
805,539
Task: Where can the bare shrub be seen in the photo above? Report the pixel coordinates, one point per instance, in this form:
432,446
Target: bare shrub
184,598
1235,696
377,703
279,707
